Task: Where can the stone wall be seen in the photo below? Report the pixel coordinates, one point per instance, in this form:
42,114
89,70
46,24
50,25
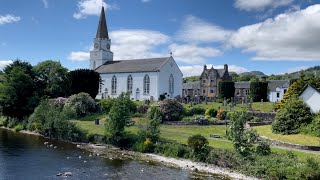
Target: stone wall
265,116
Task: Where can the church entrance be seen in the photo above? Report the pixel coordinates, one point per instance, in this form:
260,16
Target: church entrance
137,94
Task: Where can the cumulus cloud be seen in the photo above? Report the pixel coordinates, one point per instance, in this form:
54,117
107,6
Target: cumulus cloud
196,70
193,54
4,63
197,30
45,3
289,36
253,5
91,7
79,56
7,19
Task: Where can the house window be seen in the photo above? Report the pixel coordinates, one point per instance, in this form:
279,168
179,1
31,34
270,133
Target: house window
278,95
146,84
204,81
211,91
129,84
114,85
247,91
204,91
284,91
171,84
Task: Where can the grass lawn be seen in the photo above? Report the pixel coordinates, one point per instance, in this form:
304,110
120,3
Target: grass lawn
294,138
193,130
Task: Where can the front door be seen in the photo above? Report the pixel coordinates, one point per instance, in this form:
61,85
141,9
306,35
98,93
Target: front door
137,94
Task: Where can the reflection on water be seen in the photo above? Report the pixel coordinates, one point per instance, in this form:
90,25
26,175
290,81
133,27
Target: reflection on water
26,157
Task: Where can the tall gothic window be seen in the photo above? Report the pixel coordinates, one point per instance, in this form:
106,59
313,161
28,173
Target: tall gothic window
146,84
94,65
129,84
171,84
114,85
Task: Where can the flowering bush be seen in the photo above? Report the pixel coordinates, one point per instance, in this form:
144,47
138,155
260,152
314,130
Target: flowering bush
171,110
80,104
221,114
58,102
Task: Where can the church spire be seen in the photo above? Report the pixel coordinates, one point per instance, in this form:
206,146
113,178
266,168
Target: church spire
102,32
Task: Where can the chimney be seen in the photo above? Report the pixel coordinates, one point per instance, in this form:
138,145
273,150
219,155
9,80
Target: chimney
205,67
226,67
263,78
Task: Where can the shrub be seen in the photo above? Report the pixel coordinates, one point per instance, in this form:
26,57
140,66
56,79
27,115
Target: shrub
221,115
173,150
171,110
59,102
18,127
211,112
202,120
138,115
198,110
224,158
314,127
226,89
143,109
199,146
152,110
106,104
263,148
151,131
81,104
292,117
3,121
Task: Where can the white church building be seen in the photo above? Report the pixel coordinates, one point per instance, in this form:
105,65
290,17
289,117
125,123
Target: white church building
143,79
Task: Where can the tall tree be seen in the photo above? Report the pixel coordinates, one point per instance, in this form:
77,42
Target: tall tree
85,80
258,91
226,89
53,79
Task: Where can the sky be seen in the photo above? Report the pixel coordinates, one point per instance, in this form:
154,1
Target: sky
272,36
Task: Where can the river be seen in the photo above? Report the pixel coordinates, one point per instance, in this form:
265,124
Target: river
26,157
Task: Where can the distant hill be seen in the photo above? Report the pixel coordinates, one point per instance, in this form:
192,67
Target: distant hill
253,73
313,71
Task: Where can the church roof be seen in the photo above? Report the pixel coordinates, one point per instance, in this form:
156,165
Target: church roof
132,66
102,31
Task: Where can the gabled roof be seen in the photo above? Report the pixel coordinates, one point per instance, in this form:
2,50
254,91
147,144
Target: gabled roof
102,32
242,85
132,66
220,72
274,84
191,85
311,86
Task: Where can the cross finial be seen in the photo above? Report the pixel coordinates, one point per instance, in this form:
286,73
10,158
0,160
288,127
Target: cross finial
170,53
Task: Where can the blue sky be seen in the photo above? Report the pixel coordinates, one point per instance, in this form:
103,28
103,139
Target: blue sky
272,36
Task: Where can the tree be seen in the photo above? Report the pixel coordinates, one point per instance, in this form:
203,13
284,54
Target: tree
171,110
85,80
19,97
226,89
199,145
294,115
258,91
53,78
152,129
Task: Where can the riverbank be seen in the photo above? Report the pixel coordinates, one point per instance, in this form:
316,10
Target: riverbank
111,152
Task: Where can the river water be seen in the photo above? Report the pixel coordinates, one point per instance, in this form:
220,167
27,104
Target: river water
26,157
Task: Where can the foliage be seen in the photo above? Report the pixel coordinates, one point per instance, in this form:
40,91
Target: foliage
201,120
292,117
221,115
106,104
191,79
258,91
85,80
119,115
4,121
173,149
81,104
151,130
171,110
152,110
18,127
53,79
142,108
263,148
19,96
226,89
199,146
162,97
25,66
211,112
241,137
314,127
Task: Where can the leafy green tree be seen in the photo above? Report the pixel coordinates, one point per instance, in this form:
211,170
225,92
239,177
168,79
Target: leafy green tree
53,78
85,80
292,117
19,97
258,91
226,89
119,115
152,129
199,145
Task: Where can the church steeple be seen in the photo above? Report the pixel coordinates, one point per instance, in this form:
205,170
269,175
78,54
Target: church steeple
102,32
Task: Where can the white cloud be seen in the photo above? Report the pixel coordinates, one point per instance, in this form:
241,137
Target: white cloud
251,5
296,69
4,63
91,7
193,54
79,56
7,19
197,30
45,3
289,36
196,70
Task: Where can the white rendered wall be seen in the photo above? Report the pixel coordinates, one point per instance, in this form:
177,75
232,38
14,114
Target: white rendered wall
312,98
137,83
273,95
170,67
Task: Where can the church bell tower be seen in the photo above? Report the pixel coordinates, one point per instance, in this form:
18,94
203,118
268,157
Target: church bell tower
101,52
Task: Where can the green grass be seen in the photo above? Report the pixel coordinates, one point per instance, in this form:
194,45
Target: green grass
294,138
256,106
92,117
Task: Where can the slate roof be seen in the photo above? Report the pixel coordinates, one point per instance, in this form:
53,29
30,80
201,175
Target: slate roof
219,71
273,84
132,66
191,85
102,32
242,85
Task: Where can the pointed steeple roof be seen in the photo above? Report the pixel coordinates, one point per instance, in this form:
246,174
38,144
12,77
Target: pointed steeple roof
102,31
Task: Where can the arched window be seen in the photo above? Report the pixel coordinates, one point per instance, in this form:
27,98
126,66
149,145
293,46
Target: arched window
106,93
114,85
146,84
129,84
171,84
94,65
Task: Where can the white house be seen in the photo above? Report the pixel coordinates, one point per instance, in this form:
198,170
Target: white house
277,88
142,78
311,96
